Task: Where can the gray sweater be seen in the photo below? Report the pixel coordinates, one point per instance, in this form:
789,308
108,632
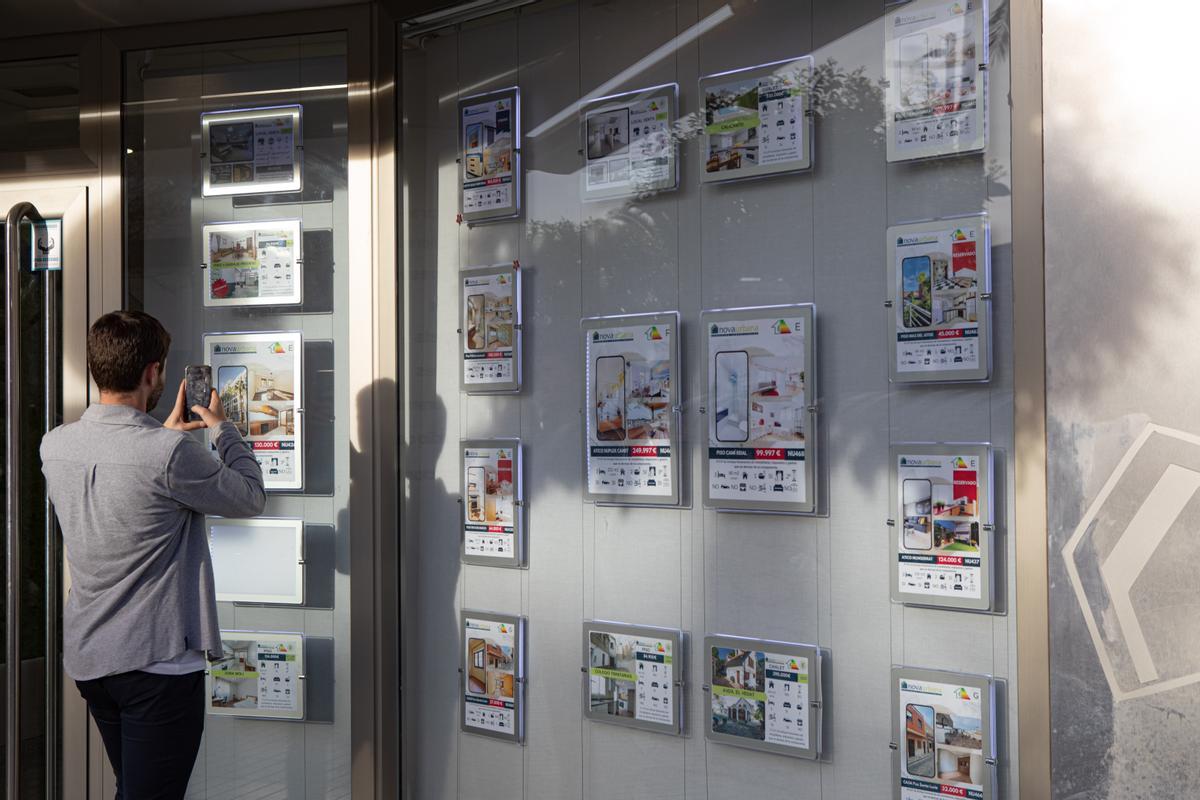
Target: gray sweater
131,496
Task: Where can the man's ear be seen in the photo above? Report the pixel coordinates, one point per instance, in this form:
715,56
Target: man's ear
151,372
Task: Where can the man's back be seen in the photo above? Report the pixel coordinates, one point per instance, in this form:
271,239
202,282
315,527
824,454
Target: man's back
130,496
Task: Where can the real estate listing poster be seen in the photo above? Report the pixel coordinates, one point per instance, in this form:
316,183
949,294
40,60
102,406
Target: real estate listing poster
765,695
629,146
942,536
634,675
936,56
945,739
252,263
250,151
757,121
258,675
490,155
761,408
490,329
939,323
493,675
491,502
631,376
258,377
257,560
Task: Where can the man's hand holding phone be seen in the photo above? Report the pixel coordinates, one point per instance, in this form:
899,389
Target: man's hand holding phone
210,417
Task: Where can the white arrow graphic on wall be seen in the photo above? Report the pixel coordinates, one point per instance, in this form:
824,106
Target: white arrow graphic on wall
1133,550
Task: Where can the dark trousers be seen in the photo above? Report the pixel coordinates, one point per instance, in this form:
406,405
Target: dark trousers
151,726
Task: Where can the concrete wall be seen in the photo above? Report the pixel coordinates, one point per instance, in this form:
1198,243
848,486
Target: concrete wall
809,238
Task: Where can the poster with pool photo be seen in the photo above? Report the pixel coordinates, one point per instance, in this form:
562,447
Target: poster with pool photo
936,54
629,146
942,725
764,695
492,675
252,263
489,324
490,155
633,675
259,378
257,675
942,534
252,151
631,425
938,310
761,409
757,121
492,531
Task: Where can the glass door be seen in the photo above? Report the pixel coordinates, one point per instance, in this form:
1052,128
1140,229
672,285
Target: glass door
35,227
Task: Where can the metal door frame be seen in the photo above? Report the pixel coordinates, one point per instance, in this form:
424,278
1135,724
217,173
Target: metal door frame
374,372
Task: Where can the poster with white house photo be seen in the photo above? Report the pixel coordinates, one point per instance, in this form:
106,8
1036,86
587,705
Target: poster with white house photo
761,417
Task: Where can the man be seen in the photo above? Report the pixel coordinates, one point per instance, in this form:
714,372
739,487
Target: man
131,494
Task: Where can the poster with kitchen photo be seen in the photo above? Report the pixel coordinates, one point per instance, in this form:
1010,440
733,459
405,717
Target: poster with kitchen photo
252,263
942,529
761,409
936,55
944,736
259,378
631,421
490,155
939,306
634,675
629,145
493,675
257,675
251,151
490,329
764,695
492,531
757,121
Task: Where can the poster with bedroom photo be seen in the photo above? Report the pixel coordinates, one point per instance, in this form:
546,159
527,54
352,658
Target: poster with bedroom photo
492,675
936,56
629,146
252,263
258,377
938,321
942,535
489,326
631,380
945,735
258,675
491,502
761,418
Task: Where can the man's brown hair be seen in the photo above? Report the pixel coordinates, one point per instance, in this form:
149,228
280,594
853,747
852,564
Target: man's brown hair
121,344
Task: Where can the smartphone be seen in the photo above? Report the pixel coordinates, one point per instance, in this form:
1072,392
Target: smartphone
197,388
233,386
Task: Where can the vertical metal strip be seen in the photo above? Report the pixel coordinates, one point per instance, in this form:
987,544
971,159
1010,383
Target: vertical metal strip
50,609
12,500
